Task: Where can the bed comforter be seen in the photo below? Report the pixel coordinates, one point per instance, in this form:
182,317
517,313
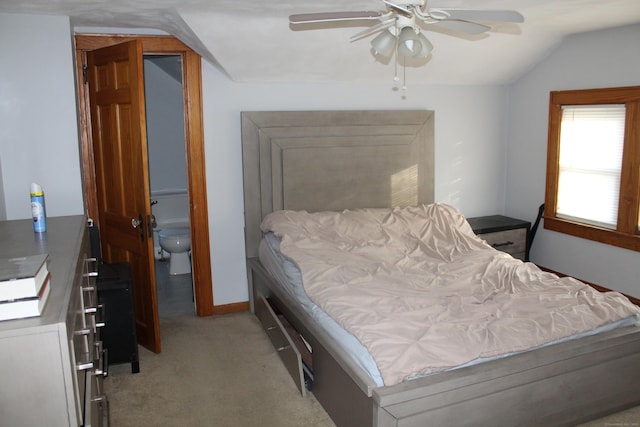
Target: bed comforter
424,294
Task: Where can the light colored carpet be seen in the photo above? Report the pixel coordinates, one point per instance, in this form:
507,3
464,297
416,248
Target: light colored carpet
223,371
213,371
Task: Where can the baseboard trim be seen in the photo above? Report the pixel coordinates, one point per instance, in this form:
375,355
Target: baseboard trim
634,300
236,307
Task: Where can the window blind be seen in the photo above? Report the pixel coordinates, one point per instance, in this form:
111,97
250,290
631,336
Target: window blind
591,144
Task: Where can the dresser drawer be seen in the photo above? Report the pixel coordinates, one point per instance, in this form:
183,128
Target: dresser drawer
513,242
503,233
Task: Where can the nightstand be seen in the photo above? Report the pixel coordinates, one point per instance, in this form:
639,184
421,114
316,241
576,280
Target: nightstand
503,233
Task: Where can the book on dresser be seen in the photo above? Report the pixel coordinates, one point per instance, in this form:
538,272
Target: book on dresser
26,307
22,277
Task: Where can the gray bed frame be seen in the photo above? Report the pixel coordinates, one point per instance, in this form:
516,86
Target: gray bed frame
334,160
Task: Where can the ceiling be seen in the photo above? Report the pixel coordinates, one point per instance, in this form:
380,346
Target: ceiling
252,41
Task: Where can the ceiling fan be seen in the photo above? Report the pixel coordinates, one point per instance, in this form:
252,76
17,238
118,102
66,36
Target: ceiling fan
401,23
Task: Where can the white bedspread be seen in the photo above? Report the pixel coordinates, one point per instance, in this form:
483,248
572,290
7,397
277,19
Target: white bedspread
424,294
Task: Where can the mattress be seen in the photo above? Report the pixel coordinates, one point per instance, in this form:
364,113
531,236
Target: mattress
288,274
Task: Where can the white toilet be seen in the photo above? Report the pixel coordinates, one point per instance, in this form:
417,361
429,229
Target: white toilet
177,241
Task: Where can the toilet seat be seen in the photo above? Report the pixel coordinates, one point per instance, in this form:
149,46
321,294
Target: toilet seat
174,232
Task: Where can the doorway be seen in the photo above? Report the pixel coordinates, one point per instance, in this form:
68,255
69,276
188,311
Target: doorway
168,179
194,148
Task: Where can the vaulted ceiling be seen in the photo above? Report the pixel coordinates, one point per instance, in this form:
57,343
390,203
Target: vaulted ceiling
252,40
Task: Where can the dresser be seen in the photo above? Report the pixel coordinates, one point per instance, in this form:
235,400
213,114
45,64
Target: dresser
504,233
52,366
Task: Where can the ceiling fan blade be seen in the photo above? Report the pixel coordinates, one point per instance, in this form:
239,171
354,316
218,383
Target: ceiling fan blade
307,18
484,15
472,28
381,26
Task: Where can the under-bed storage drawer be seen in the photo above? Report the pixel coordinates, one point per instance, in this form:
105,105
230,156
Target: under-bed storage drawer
282,342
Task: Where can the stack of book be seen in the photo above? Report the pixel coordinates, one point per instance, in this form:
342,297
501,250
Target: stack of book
24,286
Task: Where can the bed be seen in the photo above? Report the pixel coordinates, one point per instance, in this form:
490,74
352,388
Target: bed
336,160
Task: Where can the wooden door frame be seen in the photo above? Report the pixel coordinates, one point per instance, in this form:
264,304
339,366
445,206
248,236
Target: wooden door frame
194,146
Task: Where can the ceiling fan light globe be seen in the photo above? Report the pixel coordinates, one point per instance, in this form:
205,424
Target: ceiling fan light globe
426,47
408,42
410,48
384,43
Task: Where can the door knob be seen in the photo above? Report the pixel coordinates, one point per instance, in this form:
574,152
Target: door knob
138,223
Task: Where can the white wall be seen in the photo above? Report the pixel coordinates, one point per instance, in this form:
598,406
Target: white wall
3,207
470,150
470,134
38,126
607,58
165,129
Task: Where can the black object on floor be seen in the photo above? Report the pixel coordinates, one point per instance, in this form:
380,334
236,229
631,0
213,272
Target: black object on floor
118,335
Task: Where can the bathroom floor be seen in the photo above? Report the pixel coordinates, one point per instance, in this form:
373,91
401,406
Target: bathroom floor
175,292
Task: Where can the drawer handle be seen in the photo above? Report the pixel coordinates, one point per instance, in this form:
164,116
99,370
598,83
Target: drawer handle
84,366
98,319
101,398
99,361
103,409
271,328
284,347
507,243
82,332
105,362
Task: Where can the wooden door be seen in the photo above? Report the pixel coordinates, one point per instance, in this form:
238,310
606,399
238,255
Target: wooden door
116,97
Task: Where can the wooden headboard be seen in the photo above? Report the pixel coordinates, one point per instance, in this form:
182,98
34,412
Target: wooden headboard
334,160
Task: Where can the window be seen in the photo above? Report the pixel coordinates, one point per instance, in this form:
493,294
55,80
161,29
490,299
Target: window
593,165
590,162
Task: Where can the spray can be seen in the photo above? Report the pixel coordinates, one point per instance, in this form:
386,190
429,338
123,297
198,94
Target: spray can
37,209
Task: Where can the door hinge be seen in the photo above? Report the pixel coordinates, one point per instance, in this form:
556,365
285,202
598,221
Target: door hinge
151,225
85,72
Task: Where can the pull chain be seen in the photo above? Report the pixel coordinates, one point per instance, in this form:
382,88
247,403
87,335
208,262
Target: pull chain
404,79
396,79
